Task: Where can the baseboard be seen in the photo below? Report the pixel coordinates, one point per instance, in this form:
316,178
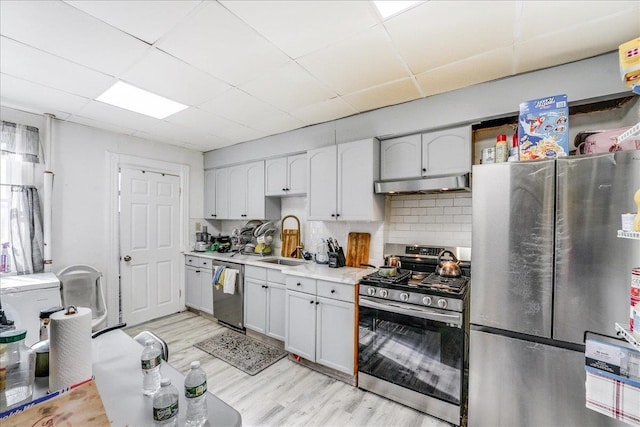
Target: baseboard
330,372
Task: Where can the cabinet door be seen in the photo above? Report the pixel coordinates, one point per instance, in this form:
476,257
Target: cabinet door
276,301
210,194
276,176
206,291
192,287
254,192
322,183
297,174
401,157
221,193
335,336
255,296
356,197
237,192
446,152
300,325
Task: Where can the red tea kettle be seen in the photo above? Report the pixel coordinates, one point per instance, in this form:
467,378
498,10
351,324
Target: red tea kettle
449,267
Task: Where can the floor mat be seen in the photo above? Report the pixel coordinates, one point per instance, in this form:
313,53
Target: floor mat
243,352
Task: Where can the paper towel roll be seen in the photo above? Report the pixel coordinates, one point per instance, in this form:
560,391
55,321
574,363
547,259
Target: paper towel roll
70,347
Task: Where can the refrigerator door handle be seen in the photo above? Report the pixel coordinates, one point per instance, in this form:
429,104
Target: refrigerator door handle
409,310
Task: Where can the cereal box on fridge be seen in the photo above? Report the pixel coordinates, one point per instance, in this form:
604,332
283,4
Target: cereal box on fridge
543,128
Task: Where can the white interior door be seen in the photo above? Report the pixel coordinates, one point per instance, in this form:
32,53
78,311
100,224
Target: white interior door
149,245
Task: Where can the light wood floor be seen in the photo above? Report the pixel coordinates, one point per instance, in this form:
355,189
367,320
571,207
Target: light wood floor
284,394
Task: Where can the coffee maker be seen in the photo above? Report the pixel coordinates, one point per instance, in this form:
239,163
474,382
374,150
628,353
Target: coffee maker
203,240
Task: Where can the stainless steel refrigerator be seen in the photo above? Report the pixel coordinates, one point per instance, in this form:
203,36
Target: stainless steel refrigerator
547,266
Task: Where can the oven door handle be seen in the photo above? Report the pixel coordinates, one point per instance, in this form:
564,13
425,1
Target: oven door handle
408,310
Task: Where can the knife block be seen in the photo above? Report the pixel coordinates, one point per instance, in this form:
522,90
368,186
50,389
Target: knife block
337,259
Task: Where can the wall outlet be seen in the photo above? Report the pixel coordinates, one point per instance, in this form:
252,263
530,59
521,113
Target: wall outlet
198,226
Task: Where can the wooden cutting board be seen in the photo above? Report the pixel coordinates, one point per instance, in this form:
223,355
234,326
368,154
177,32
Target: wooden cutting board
358,249
289,242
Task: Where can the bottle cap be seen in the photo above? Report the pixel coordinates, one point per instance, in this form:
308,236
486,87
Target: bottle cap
501,137
195,364
165,382
514,143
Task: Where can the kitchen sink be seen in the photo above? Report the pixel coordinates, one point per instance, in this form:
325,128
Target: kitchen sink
281,261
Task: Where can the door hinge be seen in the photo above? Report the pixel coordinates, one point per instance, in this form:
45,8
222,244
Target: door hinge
179,293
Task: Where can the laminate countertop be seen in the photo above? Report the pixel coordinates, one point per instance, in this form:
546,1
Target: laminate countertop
310,269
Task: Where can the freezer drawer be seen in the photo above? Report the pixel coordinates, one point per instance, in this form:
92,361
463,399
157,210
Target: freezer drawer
513,382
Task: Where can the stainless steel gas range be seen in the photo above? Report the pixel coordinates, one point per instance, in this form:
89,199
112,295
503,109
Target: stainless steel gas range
413,341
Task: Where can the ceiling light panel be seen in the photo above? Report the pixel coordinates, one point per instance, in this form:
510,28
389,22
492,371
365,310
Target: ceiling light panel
388,9
131,98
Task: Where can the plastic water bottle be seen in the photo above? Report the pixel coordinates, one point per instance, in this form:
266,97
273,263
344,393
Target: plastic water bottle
17,369
195,390
150,360
165,404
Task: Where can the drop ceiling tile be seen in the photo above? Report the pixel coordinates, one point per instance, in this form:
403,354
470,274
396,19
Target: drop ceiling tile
34,65
301,27
36,98
100,125
282,123
65,31
365,60
478,69
578,18
219,43
210,123
188,85
288,88
437,33
324,111
241,107
381,96
146,20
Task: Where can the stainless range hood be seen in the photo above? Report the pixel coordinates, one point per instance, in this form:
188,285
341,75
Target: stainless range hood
424,185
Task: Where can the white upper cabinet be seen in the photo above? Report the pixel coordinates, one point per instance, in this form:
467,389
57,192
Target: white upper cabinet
444,152
341,181
216,202
401,158
243,194
286,176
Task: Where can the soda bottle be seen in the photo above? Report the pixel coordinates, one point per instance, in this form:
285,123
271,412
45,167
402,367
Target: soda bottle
165,404
195,390
150,361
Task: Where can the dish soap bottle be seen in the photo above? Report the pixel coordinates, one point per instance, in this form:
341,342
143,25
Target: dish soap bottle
5,267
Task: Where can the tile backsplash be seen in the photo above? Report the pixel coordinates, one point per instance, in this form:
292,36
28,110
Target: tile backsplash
433,219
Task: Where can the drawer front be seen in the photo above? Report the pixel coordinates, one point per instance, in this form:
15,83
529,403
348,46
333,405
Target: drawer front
206,263
301,284
195,261
275,276
254,272
339,291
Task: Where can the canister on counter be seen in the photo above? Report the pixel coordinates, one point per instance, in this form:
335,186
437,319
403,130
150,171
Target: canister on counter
635,297
488,155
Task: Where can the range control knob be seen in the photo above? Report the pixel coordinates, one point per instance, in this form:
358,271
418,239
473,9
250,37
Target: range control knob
442,303
384,293
426,300
404,296
371,291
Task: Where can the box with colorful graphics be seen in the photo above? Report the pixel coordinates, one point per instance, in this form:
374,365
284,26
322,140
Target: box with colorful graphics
543,128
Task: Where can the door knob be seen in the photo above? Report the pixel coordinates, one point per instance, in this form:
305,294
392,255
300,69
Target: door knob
127,258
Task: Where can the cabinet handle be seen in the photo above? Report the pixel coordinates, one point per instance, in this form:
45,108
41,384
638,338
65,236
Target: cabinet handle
317,302
424,169
333,214
284,189
197,271
298,284
310,302
333,291
213,215
337,215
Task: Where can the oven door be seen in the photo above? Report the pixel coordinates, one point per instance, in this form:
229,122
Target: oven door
418,348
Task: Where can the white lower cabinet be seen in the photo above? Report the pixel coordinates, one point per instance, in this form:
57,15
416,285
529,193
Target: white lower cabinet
198,289
264,301
320,323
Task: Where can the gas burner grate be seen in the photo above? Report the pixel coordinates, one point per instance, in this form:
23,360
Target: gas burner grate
447,284
402,277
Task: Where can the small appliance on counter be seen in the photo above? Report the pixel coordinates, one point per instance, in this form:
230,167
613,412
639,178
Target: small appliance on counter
203,240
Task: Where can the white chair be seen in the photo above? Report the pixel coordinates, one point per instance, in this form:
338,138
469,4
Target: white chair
81,285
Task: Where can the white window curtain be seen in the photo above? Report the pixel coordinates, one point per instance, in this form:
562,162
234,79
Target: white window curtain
21,219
